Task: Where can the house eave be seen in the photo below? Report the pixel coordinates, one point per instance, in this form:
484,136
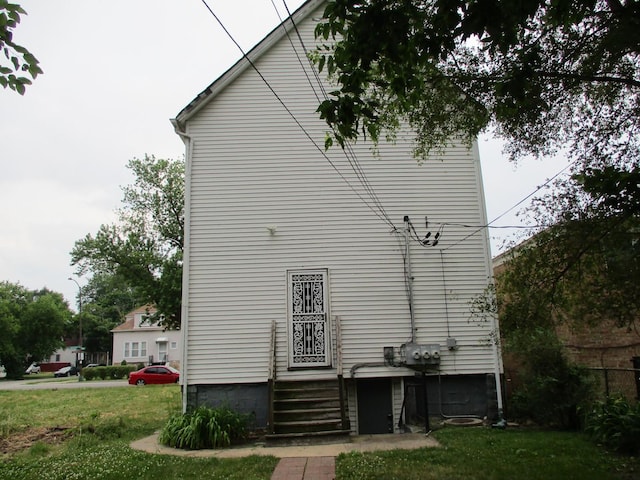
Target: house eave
241,65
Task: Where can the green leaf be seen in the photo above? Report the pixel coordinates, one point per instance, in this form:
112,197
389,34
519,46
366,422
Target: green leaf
328,142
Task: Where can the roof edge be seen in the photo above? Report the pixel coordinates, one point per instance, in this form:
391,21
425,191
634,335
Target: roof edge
241,65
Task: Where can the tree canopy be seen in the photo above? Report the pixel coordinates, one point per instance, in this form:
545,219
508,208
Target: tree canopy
106,299
18,61
547,76
32,323
585,266
144,248
544,74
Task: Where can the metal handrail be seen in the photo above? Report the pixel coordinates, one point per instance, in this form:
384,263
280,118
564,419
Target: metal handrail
271,375
341,387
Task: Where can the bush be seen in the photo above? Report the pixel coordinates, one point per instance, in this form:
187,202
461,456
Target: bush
204,427
615,423
113,372
552,390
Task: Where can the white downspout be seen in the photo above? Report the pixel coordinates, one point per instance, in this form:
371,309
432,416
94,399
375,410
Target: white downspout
184,327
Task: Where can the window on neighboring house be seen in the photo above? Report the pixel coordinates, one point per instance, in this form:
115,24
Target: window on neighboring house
174,345
57,357
135,349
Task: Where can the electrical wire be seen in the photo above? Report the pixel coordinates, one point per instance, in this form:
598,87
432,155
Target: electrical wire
540,187
295,119
348,151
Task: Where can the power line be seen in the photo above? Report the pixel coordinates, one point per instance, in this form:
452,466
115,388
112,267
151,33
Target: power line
291,114
488,225
348,151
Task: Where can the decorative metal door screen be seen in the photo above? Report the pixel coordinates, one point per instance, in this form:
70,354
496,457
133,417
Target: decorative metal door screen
308,319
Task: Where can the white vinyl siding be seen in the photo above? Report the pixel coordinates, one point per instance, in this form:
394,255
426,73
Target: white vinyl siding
254,172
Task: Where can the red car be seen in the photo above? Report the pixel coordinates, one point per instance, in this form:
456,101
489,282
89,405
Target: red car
154,374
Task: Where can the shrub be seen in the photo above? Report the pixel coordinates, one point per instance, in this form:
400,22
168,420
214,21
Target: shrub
552,389
204,427
120,371
615,423
113,372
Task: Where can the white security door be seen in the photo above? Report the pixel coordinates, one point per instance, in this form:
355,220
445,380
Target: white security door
309,342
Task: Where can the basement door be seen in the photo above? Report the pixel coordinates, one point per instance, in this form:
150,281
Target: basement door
308,312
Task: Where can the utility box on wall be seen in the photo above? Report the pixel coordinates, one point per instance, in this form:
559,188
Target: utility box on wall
422,354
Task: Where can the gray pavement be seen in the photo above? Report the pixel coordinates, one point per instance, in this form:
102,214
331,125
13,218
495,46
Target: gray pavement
360,443
33,383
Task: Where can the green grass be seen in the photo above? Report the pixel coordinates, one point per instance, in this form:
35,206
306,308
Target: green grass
99,424
144,409
485,454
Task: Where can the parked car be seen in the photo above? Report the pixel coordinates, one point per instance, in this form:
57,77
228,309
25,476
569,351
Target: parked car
154,374
3,372
33,368
66,371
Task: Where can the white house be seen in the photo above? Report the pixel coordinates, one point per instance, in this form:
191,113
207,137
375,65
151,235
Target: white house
138,340
306,270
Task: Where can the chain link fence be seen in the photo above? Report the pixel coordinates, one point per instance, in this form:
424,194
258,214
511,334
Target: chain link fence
617,381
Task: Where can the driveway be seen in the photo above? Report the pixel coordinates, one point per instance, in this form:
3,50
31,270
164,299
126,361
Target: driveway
58,383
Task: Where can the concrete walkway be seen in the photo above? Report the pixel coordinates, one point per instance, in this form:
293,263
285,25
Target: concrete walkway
307,462
360,443
301,468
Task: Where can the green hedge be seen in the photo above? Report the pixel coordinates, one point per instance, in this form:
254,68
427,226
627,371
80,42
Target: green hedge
110,372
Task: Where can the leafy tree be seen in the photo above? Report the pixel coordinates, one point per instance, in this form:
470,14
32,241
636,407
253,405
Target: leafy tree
144,248
32,324
18,60
585,266
545,74
105,301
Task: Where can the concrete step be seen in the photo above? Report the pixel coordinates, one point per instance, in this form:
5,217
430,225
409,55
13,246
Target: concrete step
308,438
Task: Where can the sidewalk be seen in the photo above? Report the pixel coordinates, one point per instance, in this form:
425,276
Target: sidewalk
360,443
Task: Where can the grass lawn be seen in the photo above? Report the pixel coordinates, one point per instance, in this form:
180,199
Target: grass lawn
66,434
479,453
85,433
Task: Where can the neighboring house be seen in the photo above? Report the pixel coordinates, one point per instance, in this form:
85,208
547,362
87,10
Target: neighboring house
138,340
62,357
294,279
605,346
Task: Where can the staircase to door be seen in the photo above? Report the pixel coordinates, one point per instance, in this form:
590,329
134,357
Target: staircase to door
308,412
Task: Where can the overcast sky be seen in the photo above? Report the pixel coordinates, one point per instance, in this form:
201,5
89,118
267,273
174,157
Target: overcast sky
114,74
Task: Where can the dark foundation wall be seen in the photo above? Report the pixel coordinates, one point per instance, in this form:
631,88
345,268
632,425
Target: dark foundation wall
252,399
450,396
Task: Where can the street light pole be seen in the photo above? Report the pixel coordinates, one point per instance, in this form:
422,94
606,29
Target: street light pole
80,324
